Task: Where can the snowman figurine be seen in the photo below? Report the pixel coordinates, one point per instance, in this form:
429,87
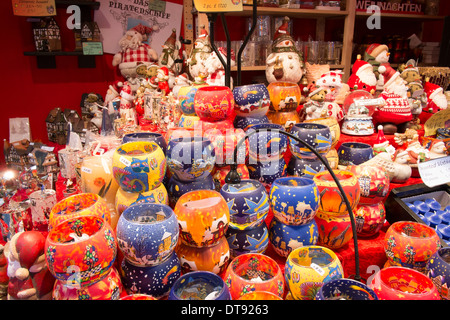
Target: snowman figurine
199,54
284,63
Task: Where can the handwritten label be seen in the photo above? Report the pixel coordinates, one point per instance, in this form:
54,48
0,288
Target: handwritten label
435,172
34,8
317,268
125,161
370,102
157,5
218,5
92,48
86,169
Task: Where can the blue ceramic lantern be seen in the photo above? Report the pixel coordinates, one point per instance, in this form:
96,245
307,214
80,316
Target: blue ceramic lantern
248,240
306,168
266,145
345,289
294,200
245,123
190,158
248,203
438,270
316,135
199,285
176,188
285,238
147,233
354,153
154,280
146,136
251,100
267,172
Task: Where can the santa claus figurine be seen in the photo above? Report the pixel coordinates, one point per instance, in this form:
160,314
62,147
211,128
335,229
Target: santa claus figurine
200,52
215,68
284,63
133,51
377,54
127,110
362,77
436,99
163,80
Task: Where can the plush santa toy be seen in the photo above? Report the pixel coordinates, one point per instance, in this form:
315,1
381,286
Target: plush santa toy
284,63
215,68
436,99
362,77
200,52
133,51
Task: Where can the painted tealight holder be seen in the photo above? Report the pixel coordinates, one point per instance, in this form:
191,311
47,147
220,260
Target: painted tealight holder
369,219
109,288
345,289
214,258
410,244
284,95
334,231
190,158
155,281
373,182
354,153
146,136
245,123
317,135
126,199
267,172
260,295
400,283
147,233
219,174
225,142
214,103
248,240
202,127
334,126
252,100
41,204
176,188
139,166
188,122
248,203
78,205
199,285
331,200
285,238
308,268
287,119
81,250
186,95
306,168
138,296
266,145
203,217
438,270
294,200
254,272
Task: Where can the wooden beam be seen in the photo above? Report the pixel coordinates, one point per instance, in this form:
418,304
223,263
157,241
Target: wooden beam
347,45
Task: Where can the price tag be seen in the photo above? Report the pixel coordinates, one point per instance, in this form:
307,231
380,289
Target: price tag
34,8
317,268
435,172
125,161
218,5
86,170
92,48
157,5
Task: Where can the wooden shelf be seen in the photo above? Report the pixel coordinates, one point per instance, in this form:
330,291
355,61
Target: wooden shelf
93,4
47,60
294,13
53,53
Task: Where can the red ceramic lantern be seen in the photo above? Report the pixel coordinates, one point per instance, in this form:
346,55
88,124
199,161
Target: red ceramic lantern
219,173
334,231
138,296
260,295
373,182
225,142
214,103
369,219
284,95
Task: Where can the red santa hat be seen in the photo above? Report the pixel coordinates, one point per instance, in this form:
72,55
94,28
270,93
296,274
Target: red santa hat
170,42
381,138
282,30
116,87
126,92
389,73
375,49
360,65
203,33
144,30
432,89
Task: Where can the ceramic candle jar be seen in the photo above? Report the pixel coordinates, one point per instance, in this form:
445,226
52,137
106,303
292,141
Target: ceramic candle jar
253,272
317,135
285,238
438,270
245,123
334,231
146,136
203,217
400,283
248,240
331,200
373,182
199,285
177,188
139,166
214,103
267,172
186,95
213,258
287,119
354,153
266,145
294,200
147,233
260,295
109,288
309,268
81,249
225,143
41,204
306,168
369,219
83,204
126,199
284,95
410,244
188,122
247,201
219,174
334,126
345,289
155,281
190,158
202,127
252,100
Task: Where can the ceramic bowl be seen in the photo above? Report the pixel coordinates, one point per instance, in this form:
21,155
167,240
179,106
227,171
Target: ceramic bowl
126,199
260,295
253,272
334,126
369,219
147,233
284,95
186,96
294,200
146,136
199,285
190,158
219,174
306,168
354,153
373,182
176,188
400,283
334,231
248,240
82,204
203,217
155,281
317,135
252,100
85,246
214,103
285,238
248,203
267,172
245,123
308,268
410,244
265,145
331,200
345,289
438,270
139,166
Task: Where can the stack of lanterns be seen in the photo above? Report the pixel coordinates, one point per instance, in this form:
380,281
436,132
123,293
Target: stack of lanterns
186,95
294,202
252,105
147,234
248,204
139,168
284,99
203,217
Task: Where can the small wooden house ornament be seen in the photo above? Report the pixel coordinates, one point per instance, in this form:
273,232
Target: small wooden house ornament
88,32
56,126
47,35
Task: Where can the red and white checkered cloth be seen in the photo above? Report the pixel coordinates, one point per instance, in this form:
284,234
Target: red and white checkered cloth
141,54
